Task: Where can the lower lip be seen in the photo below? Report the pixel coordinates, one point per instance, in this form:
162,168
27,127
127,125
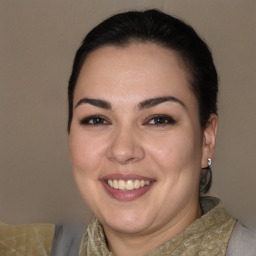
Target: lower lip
126,195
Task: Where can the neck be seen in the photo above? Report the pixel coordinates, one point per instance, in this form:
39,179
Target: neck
139,244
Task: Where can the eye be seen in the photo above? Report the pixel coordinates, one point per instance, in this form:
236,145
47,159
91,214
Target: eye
95,120
161,120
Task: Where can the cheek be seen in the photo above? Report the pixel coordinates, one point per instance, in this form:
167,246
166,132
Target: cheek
177,150
85,153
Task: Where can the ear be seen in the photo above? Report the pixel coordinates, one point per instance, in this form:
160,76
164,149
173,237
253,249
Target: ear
209,139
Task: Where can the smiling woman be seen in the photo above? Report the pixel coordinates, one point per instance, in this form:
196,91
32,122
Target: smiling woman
151,137
142,129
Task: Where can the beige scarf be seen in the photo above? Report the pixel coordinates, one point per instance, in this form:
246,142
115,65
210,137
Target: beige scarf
206,236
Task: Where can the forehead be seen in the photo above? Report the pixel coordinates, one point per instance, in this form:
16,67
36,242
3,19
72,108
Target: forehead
132,71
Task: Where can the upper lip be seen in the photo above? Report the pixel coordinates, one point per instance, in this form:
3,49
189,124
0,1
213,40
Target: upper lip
124,176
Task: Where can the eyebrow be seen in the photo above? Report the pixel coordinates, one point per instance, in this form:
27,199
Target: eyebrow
156,101
95,102
148,103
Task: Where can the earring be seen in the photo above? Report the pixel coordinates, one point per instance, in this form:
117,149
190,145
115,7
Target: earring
206,177
209,160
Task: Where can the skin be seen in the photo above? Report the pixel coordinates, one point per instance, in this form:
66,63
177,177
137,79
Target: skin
128,140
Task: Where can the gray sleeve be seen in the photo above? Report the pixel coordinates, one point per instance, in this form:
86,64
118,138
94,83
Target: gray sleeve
67,239
242,242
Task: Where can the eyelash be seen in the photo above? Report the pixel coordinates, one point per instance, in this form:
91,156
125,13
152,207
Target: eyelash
94,120
159,120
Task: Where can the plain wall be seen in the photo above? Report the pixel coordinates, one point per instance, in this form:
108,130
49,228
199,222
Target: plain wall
37,45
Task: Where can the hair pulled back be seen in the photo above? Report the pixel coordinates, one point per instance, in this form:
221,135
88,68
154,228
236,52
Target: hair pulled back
169,32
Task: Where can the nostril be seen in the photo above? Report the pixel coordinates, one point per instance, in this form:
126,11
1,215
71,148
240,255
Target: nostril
126,157
122,159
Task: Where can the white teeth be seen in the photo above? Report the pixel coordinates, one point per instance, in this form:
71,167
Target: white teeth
136,184
128,185
121,184
115,184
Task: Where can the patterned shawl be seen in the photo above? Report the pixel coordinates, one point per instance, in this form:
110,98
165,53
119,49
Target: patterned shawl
206,236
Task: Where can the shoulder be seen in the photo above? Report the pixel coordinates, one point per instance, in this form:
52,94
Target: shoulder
40,239
67,239
242,241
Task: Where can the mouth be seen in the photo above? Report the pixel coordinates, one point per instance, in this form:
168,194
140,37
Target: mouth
126,187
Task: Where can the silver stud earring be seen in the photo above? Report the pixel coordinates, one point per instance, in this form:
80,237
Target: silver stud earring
206,177
209,162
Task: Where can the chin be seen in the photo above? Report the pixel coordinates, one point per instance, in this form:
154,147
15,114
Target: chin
126,222
127,227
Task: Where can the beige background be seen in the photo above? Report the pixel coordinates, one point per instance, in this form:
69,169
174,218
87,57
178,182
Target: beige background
37,45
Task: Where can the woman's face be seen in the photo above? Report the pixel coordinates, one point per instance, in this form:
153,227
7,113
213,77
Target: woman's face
136,144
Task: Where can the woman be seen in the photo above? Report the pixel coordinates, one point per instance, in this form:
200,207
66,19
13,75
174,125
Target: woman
142,129
142,125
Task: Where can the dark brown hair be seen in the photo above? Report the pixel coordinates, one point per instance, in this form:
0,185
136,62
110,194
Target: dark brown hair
165,30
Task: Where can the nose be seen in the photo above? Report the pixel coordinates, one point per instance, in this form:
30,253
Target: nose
125,146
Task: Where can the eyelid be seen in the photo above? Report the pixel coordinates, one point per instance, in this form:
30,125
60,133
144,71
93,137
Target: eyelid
171,120
87,119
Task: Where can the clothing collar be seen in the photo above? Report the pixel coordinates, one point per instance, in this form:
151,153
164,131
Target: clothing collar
208,234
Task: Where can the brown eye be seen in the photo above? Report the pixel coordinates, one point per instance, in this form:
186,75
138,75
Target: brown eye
161,120
94,121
